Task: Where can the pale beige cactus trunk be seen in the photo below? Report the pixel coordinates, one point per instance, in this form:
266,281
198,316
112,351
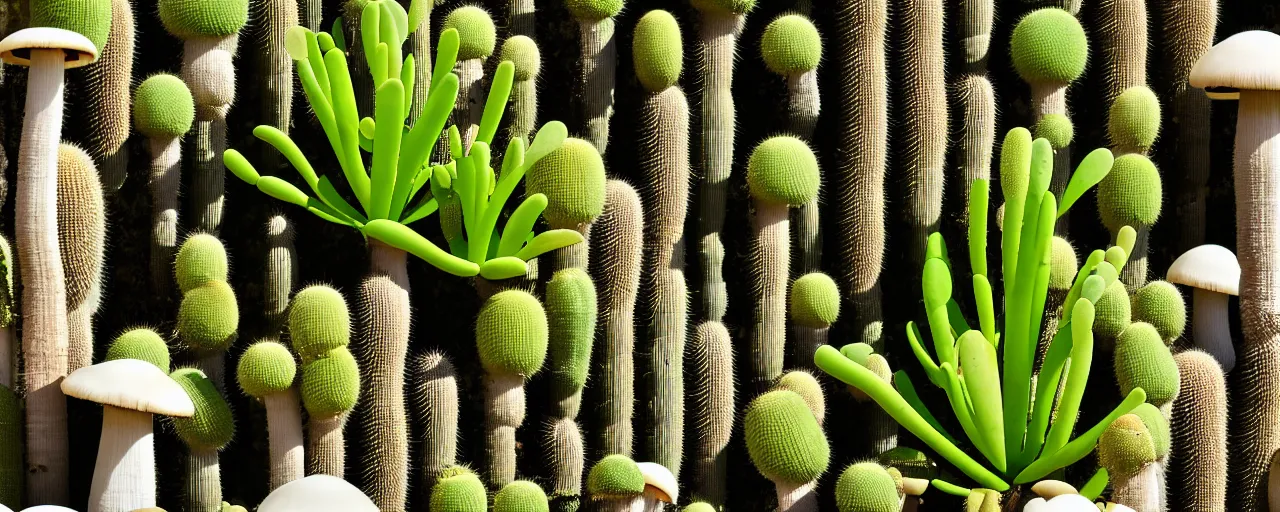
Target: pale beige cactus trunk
1142,491
712,389
438,399
108,96
718,36
977,131
208,70
770,257
326,446
276,70
311,14
504,412
284,437
1187,32
523,110
805,342
616,273
521,17
1123,37
471,98
1051,98
924,121
282,270
164,179
384,314
565,441
81,242
1198,428
203,490
797,498
599,63
804,104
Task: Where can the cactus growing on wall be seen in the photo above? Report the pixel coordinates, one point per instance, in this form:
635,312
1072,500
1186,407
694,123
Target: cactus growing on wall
924,129
618,234
205,434
599,61
319,331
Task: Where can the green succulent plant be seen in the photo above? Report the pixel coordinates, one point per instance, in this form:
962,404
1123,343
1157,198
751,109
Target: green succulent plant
205,434
459,490
520,496
866,487
142,344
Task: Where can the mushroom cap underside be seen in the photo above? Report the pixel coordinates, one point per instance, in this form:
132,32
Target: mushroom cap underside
16,49
130,384
1242,62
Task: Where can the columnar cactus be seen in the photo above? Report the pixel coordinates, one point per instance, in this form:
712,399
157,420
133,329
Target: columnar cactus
564,441
311,14
436,397
205,434
163,110
1198,464
523,52
81,239
275,68
814,306
571,313
720,25
282,270
208,316
319,330
210,30
616,484
712,389
882,428
511,337
1131,196
477,37
924,128
572,178
266,372
418,23
658,57
782,173
1122,43
792,47
106,89
867,487
459,490
520,496
619,244
974,94
787,446
599,62
1113,315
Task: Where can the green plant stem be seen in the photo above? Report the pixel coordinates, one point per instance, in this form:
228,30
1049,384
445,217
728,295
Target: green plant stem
385,310
326,446
712,389
599,63
718,36
204,481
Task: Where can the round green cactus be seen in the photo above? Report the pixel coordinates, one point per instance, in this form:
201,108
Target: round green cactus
1057,129
804,384
524,55
724,7
142,344
1143,361
191,19
615,477
784,440
201,259
571,313
866,487
476,34
1049,46
1112,312
1160,304
1126,446
212,426
163,107
266,368
1130,194
1134,120
1063,265
1157,425
791,45
318,321
330,385
593,10
89,18
208,317
572,178
459,490
511,334
783,170
657,50
815,300
520,496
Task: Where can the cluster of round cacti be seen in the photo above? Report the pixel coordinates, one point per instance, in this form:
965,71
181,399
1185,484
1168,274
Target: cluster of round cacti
209,315
319,330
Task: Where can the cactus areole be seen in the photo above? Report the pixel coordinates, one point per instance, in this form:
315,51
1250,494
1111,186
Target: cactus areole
1009,427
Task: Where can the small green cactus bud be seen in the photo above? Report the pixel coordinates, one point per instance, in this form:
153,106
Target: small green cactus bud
476,34
784,440
1134,120
318,321
1057,129
208,318
459,490
699,506
783,170
815,300
89,18
524,54
1111,314
1049,46
201,259
1063,265
593,10
191,19
1160,304
791,45
163,107
866,487
330,385
657,50
615,477
804,384
724,7
266,368
1143,361
572,177
1126,446
1157,425
520,496
1130,194
142,344
213,425
511,334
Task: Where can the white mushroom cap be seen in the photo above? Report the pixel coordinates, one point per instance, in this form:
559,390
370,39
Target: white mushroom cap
1209,267
659,481
130,384
1070,503
4,508
1243,62
317,493
48,508
1036,505
16,49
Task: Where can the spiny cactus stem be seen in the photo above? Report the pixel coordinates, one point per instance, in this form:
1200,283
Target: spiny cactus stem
80,332
1191,174
470,105
311,14
204,481
925,123
326,446
284,436
883,431
803,104
1142,491
1048,98
108,98
279,17
566,451
635,504
384,311
208,70
504,412
282,270
718,36
522,18
978,128
796,498
214,367
1198,461
524,108
576,255
438,395
771,253
977,17
166,173
1124,45
621,244
804,7
599,60
807,341
711,355
420,48
1134,274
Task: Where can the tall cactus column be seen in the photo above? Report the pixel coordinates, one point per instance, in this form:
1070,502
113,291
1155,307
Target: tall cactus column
1133,125
511,337
81,239
1198,465
618,244
523,52
329,380
1122,34
975,96
208,315
1186,33
599,63
107,99
210,30
163,110
205,434
924,125
282,270
658,57
275,70
437,399
266,372
477,37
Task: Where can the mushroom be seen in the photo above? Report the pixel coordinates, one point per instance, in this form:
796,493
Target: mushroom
48,508
1213,273
317,493
130,391
660,486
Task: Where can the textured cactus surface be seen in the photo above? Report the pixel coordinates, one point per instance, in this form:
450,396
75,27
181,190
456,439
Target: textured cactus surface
1198,464
459,490
107,101
1143,361
866,487
784,439
436,399
142,344
1160,304
81,240
619,243
511,334
520,496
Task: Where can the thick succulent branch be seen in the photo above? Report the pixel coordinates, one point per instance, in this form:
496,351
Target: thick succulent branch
797,498
384,344
523,108
712,389
977,130
976,18
166,173
566,451
521,17
924,128
803,107
771,252
208,70
311,14
599,62
718,37
471,96
1143,491
1122,31
81,240
276,70
1046,99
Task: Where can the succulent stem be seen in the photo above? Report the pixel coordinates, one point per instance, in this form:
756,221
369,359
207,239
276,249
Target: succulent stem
208,69
712,389
1051,98
81,240
1142,491
620,238
276,71
718,37
166,173
978,129
803,107
1123,34
471,97
599,62
1187,32
566,447
284,427
384,309
420,48
326,446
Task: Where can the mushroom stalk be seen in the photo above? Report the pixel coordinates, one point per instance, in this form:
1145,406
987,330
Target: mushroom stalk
771,254
284,429
207,68
1211,326
204,481
326,446
44,294
504,403
166,172
124,477
796,498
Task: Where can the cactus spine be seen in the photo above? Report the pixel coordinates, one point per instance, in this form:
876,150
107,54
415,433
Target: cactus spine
599,63
523,52
511,337
163,110
975,96
664,165
275,73
107,96
81,237
282,269
567,458
420,48
437,399
311,14
711,355
205,434
1187,32
924,105
619,234
266,372
721,24
383,346
862,118
1198,464
319,330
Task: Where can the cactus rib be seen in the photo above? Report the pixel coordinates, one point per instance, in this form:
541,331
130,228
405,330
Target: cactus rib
619,234
712,389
